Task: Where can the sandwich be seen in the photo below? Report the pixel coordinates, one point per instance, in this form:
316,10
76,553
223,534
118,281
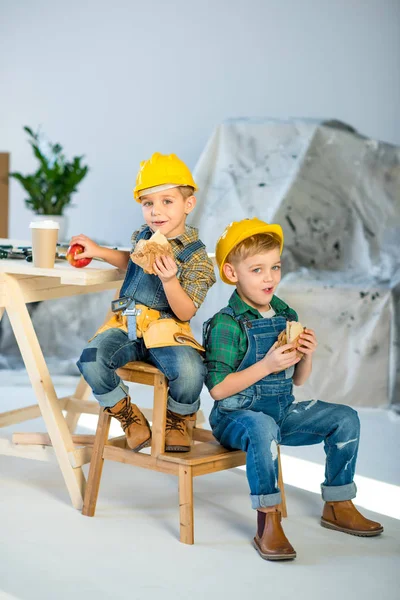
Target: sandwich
146,252
291,335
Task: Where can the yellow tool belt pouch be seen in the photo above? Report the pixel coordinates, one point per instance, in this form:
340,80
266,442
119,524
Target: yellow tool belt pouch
168,332
155,332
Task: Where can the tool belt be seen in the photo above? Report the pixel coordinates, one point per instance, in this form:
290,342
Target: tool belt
155,331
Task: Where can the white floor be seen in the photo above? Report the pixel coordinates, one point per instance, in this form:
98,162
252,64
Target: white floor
130,549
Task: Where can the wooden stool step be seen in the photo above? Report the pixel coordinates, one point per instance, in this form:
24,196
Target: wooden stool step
206,455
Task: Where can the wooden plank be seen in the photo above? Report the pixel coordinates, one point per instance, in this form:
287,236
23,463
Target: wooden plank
96,465
203,452
186,504
80,456
79,439
139,459
159,414
19,415
135,376
142,367
61,291
44,390
228,461
281,486
75,405
43,453
200,419
43,439
94,274
4,193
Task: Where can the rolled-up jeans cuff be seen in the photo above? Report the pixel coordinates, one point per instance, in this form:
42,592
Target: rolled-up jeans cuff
183,409
111,398
338,493
265,500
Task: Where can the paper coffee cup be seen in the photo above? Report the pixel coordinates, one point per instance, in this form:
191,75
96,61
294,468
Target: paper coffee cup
44,243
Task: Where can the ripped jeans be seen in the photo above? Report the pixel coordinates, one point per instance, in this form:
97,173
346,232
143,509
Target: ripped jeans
303,423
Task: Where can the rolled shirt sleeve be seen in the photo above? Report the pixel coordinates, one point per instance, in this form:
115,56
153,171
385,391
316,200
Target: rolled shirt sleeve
196,278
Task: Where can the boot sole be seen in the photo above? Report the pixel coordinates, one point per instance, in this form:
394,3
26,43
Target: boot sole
273,556
356,532
144,444
177,449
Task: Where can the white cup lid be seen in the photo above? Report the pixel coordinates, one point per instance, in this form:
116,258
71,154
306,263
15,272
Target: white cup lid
45,224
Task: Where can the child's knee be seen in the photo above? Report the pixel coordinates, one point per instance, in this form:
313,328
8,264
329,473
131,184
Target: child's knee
348,420
351,419
262,430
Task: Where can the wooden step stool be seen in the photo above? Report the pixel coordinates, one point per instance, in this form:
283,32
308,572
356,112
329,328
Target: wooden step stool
206,455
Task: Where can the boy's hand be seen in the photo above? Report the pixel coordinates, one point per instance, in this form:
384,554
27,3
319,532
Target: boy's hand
275,360
307,342
165,267
91,248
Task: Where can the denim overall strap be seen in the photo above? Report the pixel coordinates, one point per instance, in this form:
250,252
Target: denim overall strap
271,394
189,250
148,289
132,270
127,288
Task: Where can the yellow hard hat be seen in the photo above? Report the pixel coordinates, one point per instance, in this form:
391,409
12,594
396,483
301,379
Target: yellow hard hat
162,169
236,232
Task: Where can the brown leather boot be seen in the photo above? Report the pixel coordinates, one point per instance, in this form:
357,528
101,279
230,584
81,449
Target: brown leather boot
270,542
134,423
178,432
343,516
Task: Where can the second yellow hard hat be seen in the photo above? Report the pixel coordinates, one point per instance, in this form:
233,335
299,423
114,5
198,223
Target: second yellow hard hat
236,232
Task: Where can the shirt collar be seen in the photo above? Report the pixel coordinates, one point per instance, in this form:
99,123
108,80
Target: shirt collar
187,237
240,307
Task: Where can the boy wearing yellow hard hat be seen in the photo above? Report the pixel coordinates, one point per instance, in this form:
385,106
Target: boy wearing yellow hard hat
151,320
250,375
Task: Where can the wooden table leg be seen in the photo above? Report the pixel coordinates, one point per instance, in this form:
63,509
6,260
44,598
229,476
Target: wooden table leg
44,390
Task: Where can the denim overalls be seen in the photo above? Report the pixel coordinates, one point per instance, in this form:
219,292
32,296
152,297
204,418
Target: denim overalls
264,415
107,351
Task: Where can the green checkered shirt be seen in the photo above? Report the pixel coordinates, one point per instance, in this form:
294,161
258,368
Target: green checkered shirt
226,340
196,275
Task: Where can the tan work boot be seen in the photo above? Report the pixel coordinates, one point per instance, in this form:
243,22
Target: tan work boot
134,423
270,542
178,432
343,516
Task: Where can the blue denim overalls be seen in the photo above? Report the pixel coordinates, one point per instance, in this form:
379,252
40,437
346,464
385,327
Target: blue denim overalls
264,415
107,351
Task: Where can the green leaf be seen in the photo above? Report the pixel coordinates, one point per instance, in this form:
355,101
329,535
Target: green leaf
51,186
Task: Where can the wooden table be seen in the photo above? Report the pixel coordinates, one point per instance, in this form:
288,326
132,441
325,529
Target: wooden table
21,283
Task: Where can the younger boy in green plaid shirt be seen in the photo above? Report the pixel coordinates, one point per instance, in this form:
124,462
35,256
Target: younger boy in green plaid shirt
251,378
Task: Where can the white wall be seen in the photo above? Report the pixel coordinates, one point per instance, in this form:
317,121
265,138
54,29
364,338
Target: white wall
118,80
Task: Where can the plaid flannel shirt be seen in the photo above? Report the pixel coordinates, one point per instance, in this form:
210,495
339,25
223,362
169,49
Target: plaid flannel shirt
196,276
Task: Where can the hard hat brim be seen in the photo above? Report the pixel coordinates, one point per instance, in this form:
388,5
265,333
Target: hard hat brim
273,228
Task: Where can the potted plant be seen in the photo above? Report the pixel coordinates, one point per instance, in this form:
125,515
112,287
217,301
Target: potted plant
51,186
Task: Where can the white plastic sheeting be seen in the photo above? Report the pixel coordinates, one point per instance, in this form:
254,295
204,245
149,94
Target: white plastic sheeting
337,196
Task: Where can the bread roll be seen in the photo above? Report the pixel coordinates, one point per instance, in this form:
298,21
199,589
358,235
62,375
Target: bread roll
290,335
147,251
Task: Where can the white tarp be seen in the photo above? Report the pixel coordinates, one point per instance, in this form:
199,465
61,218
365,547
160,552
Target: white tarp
337,196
